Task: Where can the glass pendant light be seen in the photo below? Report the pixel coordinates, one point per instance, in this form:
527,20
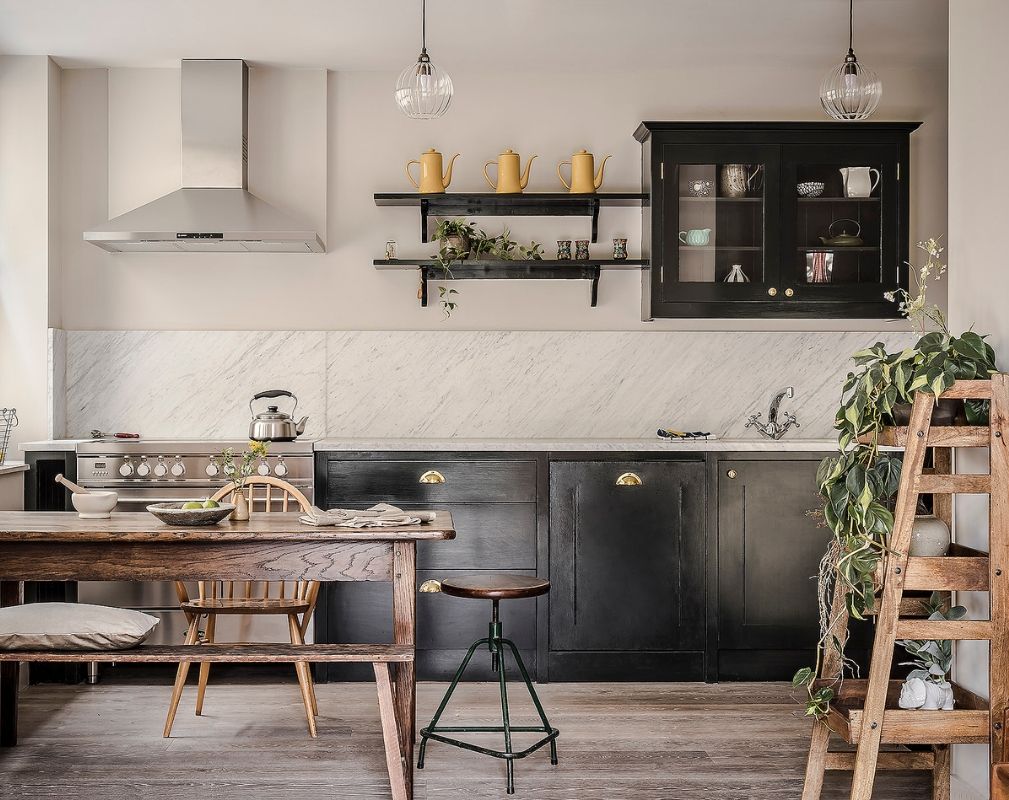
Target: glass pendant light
850,91
423,91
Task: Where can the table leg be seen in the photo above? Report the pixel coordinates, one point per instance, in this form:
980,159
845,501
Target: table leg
11,594
404,614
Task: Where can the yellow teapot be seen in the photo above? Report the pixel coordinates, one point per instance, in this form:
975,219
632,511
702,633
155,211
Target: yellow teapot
431,179
584,179
509,178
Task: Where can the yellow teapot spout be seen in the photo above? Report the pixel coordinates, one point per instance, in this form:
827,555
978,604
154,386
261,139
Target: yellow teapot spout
597,181
447,179
524,180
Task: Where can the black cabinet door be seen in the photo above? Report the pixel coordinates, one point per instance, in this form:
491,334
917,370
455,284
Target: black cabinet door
626,567
769,550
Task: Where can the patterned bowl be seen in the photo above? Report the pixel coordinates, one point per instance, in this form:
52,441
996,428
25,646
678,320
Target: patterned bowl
810,188
175,514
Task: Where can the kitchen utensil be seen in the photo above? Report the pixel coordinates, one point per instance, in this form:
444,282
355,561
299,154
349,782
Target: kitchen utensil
510,178
810,188
8,421
668,433
73,487
582,249
819,266
696,237
563,249
843,239
619,249
97,434
431,179
858,181
737,179
274,425
94,505
175,514
584,178
700,187
736,275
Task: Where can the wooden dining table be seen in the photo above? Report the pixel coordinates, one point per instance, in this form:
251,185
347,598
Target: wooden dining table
59,546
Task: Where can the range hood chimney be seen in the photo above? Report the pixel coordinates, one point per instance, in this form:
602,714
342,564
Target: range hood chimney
214,211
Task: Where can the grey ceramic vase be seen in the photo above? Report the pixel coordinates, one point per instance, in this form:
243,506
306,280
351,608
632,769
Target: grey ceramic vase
929,537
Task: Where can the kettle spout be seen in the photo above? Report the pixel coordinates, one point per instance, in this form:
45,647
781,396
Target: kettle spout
447,179
598,180
300,427
524,179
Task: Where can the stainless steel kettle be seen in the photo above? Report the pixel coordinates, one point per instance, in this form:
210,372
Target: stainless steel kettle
274,425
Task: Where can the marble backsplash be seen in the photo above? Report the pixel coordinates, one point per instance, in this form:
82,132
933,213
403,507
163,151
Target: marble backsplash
442,384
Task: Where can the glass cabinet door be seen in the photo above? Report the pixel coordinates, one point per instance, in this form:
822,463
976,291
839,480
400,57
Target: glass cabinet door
720,237
840,222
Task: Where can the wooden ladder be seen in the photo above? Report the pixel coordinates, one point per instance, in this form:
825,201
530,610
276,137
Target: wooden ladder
865,712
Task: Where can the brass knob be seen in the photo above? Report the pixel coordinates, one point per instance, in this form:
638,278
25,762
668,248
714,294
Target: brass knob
628,479
789,292
430,587
432,476
772,291
732,474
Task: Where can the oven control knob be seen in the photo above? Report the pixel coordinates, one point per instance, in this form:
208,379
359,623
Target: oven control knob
178,468
263,468
229,469
212,469
161,468
281,468
143,469
126,469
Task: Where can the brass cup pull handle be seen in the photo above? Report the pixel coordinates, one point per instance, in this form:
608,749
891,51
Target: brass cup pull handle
629,479
430,587
732,473
789,292
772,291
432,476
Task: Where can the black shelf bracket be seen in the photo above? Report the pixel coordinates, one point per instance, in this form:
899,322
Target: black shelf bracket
595,223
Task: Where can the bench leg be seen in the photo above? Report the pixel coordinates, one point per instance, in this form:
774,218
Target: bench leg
304,674
180,676
201,688
10,595
394,760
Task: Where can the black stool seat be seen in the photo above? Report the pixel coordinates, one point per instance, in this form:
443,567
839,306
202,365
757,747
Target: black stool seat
496,586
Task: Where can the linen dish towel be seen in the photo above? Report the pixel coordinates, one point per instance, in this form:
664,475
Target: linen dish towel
381,516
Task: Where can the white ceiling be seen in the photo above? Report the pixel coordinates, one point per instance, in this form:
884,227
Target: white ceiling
473,34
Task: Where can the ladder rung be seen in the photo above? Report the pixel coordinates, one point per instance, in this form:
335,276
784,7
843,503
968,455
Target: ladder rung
953,484
888,759
973,629
947,573
938,436
969,390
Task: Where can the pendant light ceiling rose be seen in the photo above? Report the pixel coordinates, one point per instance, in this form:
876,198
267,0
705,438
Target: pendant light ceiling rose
423,91
850,91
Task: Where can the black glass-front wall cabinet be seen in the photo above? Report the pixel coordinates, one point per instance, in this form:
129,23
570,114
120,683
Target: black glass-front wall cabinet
774,219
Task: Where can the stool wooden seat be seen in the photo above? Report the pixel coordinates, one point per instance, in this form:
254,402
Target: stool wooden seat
495,586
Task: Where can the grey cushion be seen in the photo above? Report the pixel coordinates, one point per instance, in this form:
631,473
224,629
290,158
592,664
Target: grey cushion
72,626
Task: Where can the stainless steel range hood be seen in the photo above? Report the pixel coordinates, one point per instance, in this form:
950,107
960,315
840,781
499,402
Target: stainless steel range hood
213,211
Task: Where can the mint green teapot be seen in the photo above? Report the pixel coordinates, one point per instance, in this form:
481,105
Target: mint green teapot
696,237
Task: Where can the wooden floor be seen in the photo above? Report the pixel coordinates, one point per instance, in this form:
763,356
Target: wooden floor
618,742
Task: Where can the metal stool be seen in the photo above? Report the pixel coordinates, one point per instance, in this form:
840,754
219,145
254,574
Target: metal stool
494,588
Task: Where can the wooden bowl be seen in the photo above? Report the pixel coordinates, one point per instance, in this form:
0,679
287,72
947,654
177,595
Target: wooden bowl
175,514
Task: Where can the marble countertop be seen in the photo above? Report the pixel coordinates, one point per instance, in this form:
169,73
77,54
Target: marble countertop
10,467
576,445
50,445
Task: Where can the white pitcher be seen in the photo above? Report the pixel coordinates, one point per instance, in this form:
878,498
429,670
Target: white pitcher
858,181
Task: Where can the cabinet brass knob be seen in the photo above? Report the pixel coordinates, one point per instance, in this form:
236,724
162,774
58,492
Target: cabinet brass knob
772,291
629,479
732,474
432,476
429,587
789,292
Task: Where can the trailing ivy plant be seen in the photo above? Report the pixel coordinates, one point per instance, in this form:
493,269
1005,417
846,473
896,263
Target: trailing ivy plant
857,485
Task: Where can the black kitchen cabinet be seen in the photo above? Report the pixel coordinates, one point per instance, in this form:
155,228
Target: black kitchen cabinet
769,550
627,570
727,233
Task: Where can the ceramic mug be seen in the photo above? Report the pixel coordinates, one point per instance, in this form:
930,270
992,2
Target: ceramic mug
697,237
858,181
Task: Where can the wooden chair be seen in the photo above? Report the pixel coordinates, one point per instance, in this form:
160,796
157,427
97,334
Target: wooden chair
295,599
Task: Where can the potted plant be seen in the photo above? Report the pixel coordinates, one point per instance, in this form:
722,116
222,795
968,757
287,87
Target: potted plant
858,484
455,237
240,472
927,685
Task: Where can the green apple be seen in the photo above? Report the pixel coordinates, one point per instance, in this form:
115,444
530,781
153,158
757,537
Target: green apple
208,503
192,504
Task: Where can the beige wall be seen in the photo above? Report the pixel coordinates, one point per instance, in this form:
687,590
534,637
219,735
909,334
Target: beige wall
978,279
366,142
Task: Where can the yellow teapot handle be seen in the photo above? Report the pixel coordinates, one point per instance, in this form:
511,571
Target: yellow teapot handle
564,182
410,175
489,181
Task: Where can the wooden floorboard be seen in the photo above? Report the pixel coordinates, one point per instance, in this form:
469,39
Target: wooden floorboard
618,742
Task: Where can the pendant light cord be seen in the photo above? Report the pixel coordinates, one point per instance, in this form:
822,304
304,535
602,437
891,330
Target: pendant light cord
851,23
423,26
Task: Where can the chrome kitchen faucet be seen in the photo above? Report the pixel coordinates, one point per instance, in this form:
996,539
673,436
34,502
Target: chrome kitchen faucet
774,429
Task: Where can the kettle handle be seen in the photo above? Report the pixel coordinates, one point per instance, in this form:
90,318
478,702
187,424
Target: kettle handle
410,174
566,184
858,226
486,176
274,393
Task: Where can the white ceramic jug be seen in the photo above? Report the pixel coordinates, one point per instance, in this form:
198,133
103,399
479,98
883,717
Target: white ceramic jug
858,181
